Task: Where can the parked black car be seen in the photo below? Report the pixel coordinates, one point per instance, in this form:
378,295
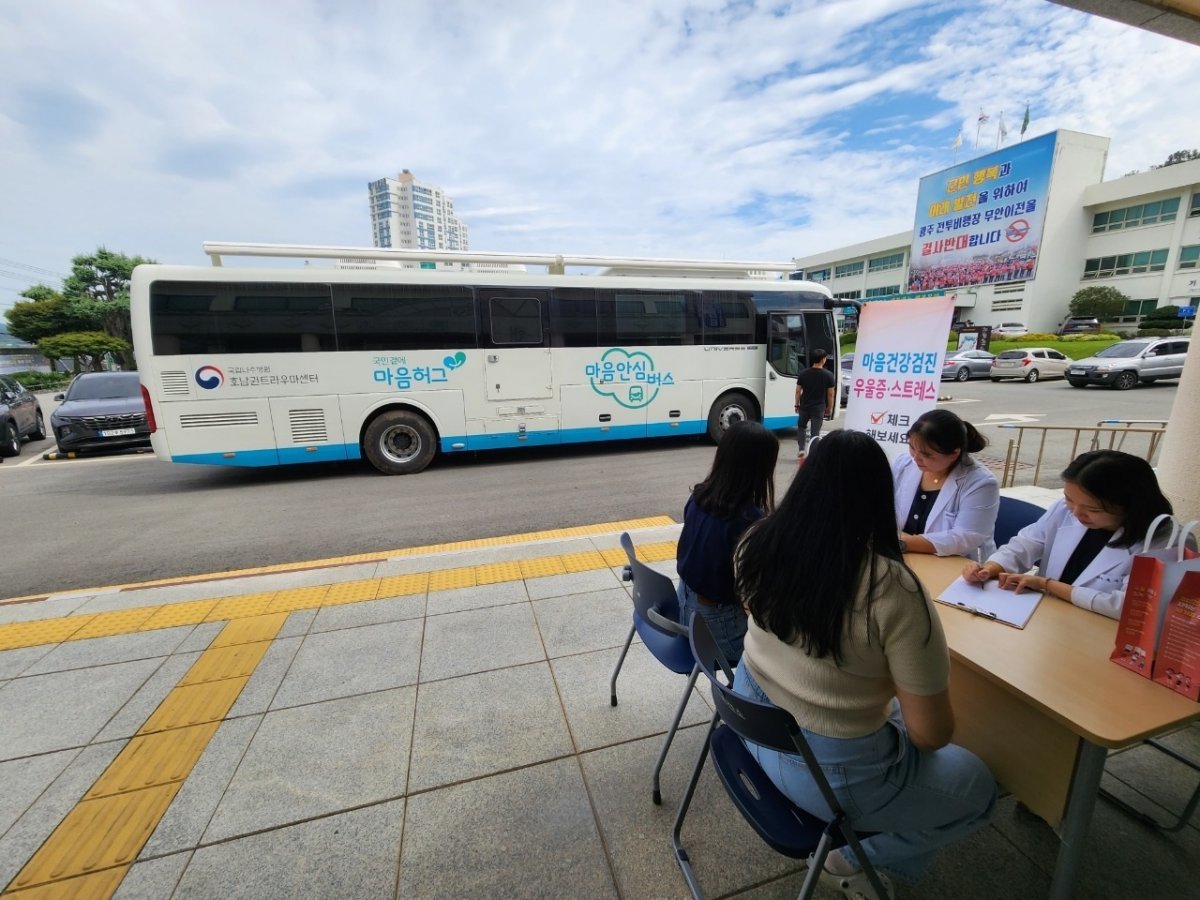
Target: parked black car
20,416
101,410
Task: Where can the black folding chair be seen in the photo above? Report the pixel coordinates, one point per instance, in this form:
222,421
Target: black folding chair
787,828
656,620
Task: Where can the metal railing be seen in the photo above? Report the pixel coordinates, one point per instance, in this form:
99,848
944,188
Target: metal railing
1109,434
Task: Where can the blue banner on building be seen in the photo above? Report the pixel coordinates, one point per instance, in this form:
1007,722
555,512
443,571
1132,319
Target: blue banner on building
981,222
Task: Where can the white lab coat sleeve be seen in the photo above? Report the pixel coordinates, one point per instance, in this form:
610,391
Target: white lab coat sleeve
1027,547
1106,602
977,504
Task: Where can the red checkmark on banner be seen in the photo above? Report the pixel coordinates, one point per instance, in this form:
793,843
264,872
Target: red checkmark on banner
876,418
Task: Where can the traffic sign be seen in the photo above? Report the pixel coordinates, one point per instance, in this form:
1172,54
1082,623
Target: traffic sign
1187,312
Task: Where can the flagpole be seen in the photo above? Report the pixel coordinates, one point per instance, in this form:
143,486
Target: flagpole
999,126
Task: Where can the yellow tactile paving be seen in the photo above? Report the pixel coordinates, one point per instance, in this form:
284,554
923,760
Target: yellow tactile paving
614,556
351,592
194,705
496,573
192,613
293,599
541,567
154,759
97,834
41,631
119,622
403,585
219,663
238,607
249,631
97,886
583,562
449,579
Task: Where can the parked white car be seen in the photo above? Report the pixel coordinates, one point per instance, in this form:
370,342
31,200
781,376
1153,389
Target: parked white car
1030,364
1010,329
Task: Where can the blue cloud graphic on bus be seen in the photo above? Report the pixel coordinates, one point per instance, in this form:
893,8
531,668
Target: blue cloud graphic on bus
453,362
209,377
629,378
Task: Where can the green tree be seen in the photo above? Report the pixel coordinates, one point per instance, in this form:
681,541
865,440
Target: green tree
1179,156
45,312
97,292
82,348
1101,302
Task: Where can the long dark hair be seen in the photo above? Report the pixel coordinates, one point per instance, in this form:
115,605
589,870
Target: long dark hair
1124,484
799,570
945,432
742,473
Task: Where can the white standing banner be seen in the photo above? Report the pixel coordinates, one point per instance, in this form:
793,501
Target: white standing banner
897,367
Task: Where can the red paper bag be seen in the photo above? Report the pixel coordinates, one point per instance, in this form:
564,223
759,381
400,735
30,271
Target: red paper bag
1178,662
1153,579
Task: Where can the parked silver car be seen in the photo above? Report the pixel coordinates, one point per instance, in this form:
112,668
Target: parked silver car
20,416
967,364
1129,363
1030,364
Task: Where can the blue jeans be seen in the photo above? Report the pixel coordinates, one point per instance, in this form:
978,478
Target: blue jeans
919,800
727,622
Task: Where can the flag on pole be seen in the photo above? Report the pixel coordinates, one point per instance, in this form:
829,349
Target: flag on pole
983,117
957,141
1003,129
1025,122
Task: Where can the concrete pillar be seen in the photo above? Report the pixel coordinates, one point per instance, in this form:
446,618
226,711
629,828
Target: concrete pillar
1179,459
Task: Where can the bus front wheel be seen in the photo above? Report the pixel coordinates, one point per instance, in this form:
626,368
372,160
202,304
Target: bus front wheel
729,408
399,442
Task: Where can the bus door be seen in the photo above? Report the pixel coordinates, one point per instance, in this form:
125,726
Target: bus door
792,337
519,377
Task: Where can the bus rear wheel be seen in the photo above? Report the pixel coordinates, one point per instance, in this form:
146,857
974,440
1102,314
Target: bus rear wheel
399,442
730,407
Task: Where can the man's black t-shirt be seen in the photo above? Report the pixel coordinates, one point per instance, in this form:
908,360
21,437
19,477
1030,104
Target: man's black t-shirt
814,382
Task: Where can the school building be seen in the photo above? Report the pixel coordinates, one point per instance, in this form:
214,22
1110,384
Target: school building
1013,234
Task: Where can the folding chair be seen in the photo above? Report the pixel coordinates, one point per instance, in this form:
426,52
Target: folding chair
655,619
787,828
1013,516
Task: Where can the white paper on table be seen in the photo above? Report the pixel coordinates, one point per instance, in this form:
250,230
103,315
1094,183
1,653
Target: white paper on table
991,601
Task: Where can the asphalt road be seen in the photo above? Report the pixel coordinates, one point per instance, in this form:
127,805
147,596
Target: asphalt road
74,524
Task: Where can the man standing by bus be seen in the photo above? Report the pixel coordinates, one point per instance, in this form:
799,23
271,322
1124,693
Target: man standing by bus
814,399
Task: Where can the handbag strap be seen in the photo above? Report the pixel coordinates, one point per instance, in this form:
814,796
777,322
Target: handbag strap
1181,537
1153,530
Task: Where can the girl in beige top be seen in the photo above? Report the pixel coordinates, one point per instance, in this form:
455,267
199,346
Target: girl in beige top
844,637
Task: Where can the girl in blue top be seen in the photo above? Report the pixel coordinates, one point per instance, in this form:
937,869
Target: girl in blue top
738,491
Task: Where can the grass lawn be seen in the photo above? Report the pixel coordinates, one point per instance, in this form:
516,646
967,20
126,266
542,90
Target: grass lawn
1075,349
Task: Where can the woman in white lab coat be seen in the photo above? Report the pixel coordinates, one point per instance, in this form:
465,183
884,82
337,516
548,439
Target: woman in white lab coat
1083,545
946,503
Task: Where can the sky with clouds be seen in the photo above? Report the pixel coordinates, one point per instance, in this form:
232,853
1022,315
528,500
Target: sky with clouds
677,128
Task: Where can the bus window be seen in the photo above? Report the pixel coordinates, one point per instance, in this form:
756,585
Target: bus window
516,319
645,318
787,351
404,317
727,317
573,317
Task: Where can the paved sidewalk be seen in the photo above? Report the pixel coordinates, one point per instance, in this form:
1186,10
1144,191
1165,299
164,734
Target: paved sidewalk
430,723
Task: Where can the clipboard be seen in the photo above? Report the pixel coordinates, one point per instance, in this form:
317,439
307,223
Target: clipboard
990,601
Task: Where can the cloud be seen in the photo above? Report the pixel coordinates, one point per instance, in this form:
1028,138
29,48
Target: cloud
678,128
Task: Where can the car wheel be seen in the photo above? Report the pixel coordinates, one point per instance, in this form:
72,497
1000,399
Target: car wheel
39,428
963,374
1074,383
1032,376
399,442
731,407
1125,381
994,379
12,440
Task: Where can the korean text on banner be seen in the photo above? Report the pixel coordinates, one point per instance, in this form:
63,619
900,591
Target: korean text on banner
981,222
897,367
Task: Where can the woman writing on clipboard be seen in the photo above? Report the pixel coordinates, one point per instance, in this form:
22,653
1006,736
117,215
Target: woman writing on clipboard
1083,545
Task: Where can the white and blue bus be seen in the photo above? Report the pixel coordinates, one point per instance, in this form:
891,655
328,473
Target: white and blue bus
248,366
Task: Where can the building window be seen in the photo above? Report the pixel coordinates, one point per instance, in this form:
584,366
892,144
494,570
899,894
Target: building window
847,295
883,263
882,291
1010,304
1195,204
1125,264
1189,257
854,268
1133,216
819,275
